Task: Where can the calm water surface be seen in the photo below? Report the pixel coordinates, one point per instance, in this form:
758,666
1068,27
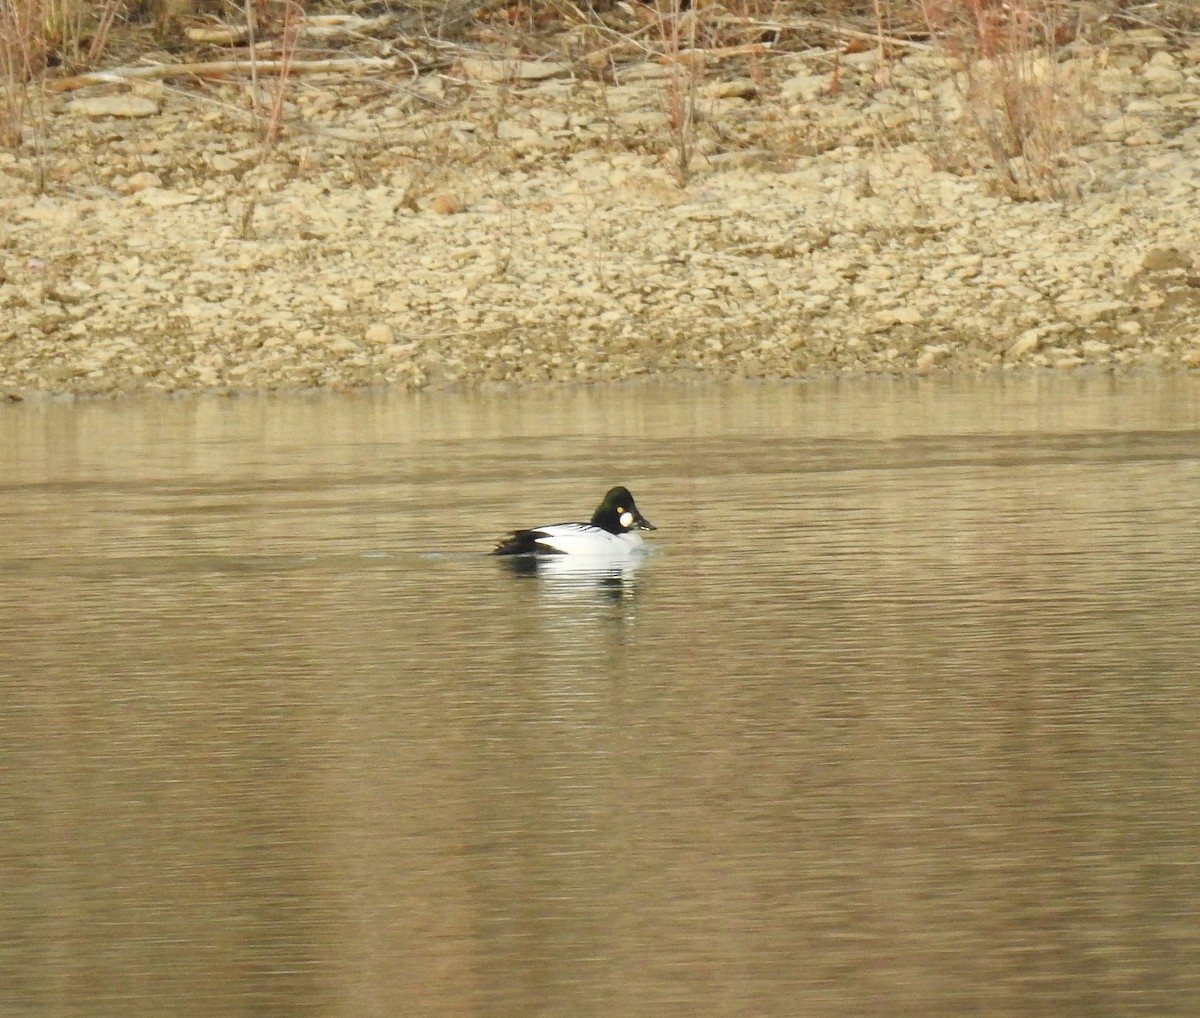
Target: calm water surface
900,718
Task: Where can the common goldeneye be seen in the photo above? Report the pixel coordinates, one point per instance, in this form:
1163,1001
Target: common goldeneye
611,533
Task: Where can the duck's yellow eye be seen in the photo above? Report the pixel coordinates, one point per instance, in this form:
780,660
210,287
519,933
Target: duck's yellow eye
620,509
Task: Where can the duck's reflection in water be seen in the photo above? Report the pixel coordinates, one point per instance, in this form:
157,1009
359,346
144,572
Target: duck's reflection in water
568,576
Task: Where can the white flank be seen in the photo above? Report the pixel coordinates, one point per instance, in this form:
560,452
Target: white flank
584,539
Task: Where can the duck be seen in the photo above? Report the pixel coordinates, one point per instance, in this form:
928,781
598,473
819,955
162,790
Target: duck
612,532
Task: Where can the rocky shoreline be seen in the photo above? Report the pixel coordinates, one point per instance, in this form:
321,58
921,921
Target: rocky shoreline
513,223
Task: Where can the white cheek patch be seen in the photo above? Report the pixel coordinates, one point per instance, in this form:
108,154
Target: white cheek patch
626,520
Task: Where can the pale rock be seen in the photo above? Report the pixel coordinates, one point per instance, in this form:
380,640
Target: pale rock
621,98
1029,341
804,87
951,104
402,352
508,130
1162,80
50,212
161,198
864,60
217,35
551,119
742,159
1144,109
1139,38
379,334
1122,126
1171,164
479,69
1117,81
125,106
140,182
1091,312
899,316
1146,136
1186,101
635,121
1164,259
740,88
647,72
932,354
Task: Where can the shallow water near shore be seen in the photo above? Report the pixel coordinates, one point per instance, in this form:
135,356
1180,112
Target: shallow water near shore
898,717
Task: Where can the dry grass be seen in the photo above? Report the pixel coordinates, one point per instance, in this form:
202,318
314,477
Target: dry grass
1019,107
679,31
23,50
1019,102
283,19
37,33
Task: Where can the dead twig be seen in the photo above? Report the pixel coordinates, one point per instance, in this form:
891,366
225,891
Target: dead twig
691,56
817,25
223,68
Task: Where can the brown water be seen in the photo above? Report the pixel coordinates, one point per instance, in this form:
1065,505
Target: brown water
902,718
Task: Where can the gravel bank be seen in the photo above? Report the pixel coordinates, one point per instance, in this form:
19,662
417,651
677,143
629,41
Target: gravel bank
464,230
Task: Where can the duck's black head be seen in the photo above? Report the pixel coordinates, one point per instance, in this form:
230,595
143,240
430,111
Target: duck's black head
618,513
